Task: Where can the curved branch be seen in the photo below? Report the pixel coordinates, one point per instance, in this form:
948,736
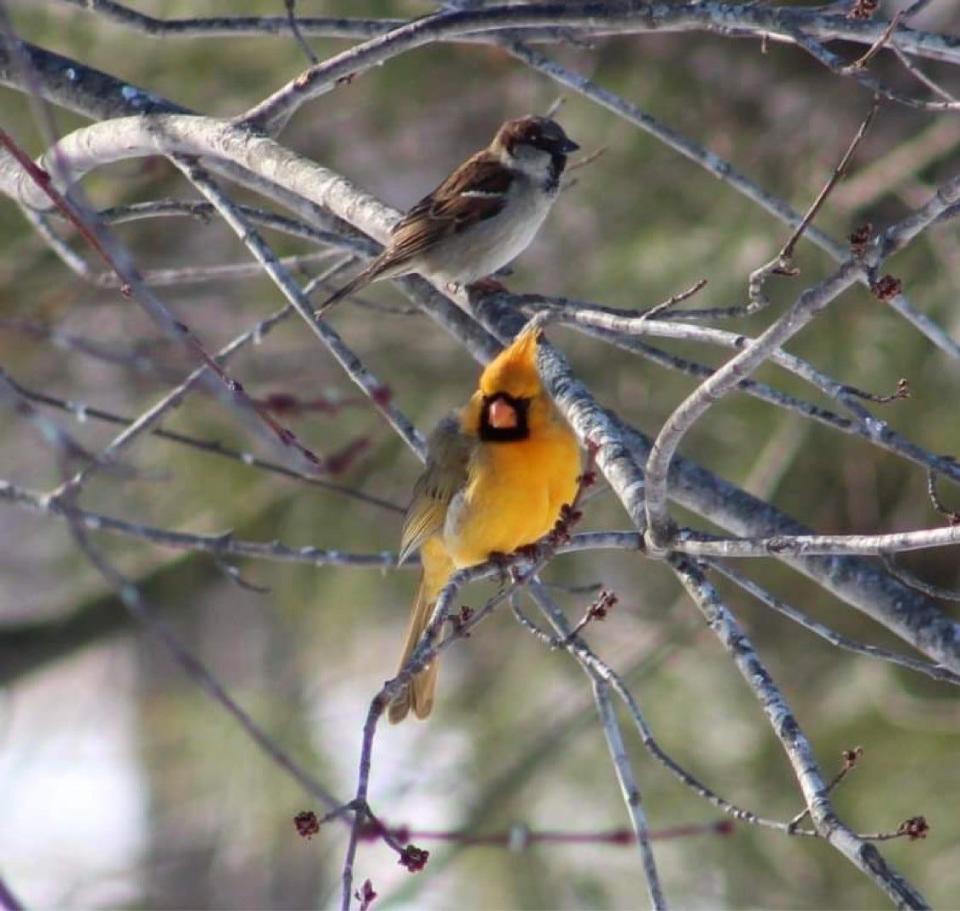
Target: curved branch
808,305
721,18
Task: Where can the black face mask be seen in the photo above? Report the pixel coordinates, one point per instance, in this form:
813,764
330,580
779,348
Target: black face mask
520,431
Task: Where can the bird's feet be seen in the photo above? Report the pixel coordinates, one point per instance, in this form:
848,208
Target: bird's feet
505,564
484,286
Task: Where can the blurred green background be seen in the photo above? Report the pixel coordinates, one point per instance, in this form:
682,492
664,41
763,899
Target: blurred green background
122,785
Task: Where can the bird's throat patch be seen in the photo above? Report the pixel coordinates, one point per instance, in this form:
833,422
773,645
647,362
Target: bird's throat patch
503,419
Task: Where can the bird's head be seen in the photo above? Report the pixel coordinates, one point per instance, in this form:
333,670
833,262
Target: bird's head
535,145
509,394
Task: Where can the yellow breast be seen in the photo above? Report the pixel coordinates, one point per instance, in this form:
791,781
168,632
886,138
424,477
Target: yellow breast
514,492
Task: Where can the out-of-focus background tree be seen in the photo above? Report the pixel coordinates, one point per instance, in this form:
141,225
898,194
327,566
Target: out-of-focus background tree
121,784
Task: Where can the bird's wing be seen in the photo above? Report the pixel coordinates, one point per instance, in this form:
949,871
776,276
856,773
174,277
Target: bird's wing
448,453
476,191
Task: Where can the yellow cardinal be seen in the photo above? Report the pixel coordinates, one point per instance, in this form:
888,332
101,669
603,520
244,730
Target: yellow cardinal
497,473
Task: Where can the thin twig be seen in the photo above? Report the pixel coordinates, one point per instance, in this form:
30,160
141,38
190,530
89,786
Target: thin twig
835,64
222,544
950,515
520,836
291,6
630,792
935,671
920,76
850,760
671,302
68,450
877,45
782,263
84,412
915,582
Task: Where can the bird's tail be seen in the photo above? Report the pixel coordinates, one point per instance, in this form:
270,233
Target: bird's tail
355,284
418,693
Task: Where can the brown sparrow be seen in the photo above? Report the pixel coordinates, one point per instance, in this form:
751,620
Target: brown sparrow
482,216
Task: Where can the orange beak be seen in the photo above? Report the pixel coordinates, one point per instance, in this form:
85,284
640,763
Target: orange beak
502,415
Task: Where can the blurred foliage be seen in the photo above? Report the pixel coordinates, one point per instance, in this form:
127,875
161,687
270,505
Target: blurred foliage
514,736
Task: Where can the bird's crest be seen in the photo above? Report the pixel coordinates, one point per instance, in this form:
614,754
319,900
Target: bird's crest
514,370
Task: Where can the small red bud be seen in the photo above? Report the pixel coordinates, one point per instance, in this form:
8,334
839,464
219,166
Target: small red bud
307,824
914,828
382,395
413,858
365,895
863,9
860,238
887,287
